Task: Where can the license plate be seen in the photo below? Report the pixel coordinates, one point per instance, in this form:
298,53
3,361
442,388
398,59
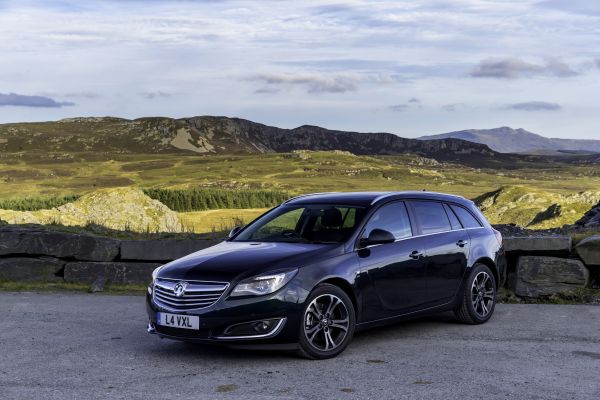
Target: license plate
178,321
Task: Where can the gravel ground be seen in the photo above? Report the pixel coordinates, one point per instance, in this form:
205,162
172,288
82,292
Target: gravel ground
78,346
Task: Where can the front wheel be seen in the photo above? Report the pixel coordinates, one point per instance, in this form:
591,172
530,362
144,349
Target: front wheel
328,323
479,296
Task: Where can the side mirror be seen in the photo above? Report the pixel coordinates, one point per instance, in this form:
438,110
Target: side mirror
234,231
378,236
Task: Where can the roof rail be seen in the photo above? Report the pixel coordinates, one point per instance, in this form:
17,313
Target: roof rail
306,195
383,196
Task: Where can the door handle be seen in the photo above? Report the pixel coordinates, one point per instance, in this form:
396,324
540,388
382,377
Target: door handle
415,255
462,243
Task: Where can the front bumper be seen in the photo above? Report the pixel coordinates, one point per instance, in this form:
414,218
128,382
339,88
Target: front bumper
284,307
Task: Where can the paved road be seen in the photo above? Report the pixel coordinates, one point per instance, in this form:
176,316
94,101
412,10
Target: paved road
76,346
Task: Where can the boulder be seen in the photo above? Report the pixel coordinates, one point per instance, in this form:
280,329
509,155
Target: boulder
161,250
29,269
541,244
115,272
57,244
589,250
543,276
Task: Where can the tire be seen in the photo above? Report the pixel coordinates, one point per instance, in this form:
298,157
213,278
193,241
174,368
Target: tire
328,323
478,299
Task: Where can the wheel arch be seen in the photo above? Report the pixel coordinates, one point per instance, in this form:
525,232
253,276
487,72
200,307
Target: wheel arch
488,262
347,288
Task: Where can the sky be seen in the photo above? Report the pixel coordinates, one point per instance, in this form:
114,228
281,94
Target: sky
408,67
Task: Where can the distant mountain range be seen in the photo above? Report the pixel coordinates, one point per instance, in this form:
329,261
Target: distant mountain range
223,135
220,135
509,140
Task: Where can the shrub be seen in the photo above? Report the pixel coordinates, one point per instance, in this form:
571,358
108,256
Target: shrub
199,199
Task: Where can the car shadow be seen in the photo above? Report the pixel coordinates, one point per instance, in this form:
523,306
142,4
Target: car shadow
361,342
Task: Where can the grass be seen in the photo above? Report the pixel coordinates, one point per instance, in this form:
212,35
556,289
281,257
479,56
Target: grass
59,174
218,220
47,175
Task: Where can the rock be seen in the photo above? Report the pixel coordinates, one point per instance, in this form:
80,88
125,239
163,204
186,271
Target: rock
115,272
98,285
544,276
123,208
29,269
545,244
589,250
591,218
161,250
57,244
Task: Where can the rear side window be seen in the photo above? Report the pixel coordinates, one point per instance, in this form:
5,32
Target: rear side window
453,219
467,219
431,217
393,218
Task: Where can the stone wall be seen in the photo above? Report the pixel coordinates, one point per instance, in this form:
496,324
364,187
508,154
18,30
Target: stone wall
538,265
30,254
547,265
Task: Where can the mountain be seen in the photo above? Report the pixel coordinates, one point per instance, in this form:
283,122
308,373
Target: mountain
221,135
508,140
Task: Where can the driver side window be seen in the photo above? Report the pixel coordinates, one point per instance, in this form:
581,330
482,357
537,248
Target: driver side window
392,218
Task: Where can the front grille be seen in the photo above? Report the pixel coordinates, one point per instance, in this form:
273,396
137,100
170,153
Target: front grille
196,295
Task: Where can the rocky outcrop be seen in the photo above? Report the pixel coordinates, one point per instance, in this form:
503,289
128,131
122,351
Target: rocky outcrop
23,241
544,276
589,250
590,219
534,208
125,209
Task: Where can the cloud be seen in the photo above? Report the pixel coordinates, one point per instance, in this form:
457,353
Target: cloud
83,95
398,107
453,107
597,62
21,100
534,106
153,95
414,100
585,7
510,68
312,83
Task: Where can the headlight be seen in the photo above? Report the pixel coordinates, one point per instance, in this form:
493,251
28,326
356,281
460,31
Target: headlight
263,284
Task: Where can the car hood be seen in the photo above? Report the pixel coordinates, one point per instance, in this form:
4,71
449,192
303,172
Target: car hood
232,261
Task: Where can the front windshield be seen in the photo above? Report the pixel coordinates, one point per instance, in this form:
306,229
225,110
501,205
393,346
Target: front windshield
304,224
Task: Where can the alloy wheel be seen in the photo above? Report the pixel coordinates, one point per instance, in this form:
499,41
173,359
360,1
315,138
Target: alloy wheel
482,294
326,322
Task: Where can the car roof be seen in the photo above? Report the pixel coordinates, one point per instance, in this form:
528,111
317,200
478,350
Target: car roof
370,198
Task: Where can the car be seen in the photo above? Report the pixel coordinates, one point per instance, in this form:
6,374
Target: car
311,272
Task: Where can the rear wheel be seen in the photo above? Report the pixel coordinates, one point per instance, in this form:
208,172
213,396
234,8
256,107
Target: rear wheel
479,296
328,323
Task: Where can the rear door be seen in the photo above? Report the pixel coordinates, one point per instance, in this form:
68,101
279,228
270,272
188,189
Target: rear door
447,249
396,270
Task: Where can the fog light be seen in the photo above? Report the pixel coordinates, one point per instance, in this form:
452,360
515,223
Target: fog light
150,290
263,326
252,328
